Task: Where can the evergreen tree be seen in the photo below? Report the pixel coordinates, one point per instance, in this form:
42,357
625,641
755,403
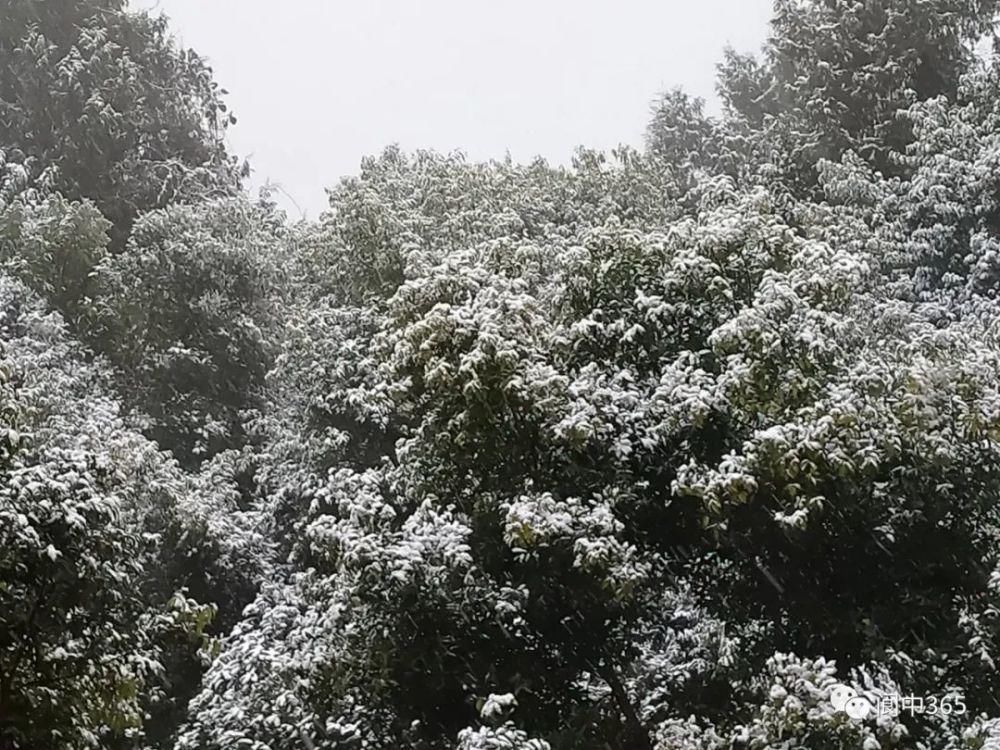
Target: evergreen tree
97,102
650,451
834,75
185,312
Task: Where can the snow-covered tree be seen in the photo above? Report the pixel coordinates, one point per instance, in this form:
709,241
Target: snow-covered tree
498,445
107,542
185,313
98,98
653,451
834,75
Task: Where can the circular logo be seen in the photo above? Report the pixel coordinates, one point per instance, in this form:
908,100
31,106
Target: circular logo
845,698
840,694
858,708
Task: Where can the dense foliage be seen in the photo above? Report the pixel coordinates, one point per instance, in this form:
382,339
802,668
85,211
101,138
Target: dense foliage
96,102
649,451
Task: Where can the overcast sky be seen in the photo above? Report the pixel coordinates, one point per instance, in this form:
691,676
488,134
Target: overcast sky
318,84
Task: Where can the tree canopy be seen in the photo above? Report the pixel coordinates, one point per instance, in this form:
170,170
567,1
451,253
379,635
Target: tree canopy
652,450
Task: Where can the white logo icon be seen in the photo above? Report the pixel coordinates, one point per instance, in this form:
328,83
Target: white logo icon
846,699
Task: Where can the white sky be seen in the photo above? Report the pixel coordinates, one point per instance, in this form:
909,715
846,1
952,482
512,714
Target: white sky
318,84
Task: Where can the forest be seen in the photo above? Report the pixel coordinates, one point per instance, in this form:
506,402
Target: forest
657,450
